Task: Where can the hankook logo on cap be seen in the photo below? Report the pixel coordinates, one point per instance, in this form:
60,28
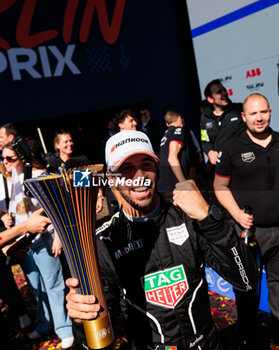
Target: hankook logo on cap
112,148
248,157
128,140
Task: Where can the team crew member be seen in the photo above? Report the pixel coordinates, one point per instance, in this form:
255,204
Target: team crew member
152,256
247,174
221,120
177,155
125,120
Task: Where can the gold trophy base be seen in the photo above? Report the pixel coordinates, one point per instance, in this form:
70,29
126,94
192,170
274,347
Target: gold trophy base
99,333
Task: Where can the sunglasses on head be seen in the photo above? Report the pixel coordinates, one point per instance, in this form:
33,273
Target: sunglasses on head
9,158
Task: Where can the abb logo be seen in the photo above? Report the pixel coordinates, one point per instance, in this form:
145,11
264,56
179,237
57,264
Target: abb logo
230,92
253,73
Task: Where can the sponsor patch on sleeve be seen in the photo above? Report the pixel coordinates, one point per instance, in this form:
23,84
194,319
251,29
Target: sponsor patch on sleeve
177,131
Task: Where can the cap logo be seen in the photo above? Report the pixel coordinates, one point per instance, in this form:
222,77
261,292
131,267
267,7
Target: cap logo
124,144
112,149
130,139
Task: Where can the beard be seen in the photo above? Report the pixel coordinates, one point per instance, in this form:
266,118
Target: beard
142,207
139,205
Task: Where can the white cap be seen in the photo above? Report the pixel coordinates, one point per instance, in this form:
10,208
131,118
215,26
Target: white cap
124,144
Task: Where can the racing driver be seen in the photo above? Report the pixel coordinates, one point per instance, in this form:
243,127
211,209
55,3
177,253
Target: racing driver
153,255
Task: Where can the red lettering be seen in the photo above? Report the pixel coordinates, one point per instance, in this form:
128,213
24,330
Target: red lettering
4,5
69,17
160,296
110,32
248,74
168,296
253,73
23,36
151,296
182,287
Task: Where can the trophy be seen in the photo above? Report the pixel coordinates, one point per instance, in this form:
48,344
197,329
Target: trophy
72,211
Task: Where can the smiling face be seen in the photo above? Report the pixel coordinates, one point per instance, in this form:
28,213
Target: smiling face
129,123
256,114
11,161
219,96
65,146
142,198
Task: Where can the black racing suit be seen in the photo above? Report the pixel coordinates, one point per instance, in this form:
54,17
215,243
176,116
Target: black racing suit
156,270
216,131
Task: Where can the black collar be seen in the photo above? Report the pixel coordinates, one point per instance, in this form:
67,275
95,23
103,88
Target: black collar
247,140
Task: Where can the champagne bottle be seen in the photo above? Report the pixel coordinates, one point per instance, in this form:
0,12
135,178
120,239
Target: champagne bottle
248,234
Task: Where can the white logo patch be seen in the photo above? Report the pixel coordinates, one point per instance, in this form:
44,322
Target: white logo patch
248,157
177,131
178,234
209,125
234,119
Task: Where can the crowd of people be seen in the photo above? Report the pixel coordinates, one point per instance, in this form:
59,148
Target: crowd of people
159,236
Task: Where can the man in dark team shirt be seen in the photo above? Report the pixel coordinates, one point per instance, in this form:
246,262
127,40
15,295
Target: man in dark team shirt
247,174
177,155
221,120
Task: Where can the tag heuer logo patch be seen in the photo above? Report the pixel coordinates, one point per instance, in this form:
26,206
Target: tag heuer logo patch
178,234
248,157
166,288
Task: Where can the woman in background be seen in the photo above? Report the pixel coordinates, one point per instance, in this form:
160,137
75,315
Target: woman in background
41,268
64,159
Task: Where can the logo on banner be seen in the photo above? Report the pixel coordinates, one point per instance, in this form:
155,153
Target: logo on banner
256,86
223,285
253,73
230,92
166,288
170,348
82,178
209,278
248,157
226,78
34,57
